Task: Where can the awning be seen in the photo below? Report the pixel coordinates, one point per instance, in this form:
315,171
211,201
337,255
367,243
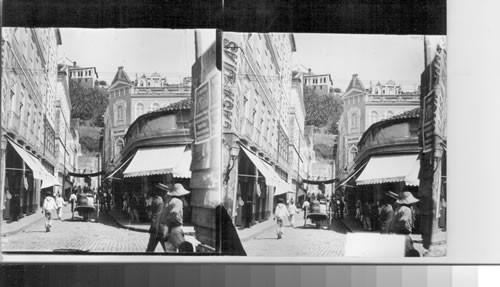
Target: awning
119,168
158,160
272,178
181,169
395,168
39,171
34,164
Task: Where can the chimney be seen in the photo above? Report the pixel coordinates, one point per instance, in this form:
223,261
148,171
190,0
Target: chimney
309,71
74,63
354,75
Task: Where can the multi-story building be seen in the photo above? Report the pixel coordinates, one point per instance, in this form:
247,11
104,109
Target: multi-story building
86,76
257,90
130,99
364,107
29,78
296,133
320,83
64,137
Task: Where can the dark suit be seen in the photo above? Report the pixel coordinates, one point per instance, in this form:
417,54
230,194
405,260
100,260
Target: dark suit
156,234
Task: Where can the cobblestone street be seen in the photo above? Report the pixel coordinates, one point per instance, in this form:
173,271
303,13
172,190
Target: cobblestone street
299,241
102,236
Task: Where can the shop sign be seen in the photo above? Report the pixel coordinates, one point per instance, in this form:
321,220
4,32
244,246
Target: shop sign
230,72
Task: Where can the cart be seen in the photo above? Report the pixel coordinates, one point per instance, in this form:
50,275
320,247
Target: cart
86,206
319,214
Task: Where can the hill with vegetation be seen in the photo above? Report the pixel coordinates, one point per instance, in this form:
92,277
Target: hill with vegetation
88,104
323,112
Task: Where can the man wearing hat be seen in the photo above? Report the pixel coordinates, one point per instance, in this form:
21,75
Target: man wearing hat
157,234
49,207
402,222
172,215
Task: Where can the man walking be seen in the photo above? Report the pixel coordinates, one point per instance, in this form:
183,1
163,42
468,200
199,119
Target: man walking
59,205
173,216
156,231
72,201
49,207
280,214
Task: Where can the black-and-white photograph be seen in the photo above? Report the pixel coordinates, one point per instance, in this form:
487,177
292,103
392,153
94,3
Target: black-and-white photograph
193,142
335,144
103,148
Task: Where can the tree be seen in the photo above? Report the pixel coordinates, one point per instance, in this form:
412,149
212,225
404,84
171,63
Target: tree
87,103
322,110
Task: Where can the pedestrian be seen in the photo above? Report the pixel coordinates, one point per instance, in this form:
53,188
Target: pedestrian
403,219
172,216
341,208
125,199
292,210
157,233
49,207
149,202
15,207
359,215
280,214
72,201
385,216
248,208
59,205
366,218
374,215
133,205
305,208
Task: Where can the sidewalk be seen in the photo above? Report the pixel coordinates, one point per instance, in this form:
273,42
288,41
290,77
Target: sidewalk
354,226
10,228
123,221
250,233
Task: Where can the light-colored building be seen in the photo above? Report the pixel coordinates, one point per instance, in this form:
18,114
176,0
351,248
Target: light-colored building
256,124
297,140
320,83
86,76
130,99
29,79
362,108
65,149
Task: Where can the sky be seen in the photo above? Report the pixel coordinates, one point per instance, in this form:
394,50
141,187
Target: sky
373,57
171,53
168,52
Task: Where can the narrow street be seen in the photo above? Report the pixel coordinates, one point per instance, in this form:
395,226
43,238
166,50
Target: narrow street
102,236
299,241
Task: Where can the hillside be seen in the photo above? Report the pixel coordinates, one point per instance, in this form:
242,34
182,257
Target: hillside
323,111
88,103
89,139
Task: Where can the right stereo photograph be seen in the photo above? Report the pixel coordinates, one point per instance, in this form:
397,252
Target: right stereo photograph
333,145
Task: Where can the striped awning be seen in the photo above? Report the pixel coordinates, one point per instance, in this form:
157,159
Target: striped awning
160,160
391,168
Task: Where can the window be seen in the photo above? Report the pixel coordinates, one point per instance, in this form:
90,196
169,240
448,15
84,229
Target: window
139,109
156,106
354,121
118,146
119,113
390,114
353,151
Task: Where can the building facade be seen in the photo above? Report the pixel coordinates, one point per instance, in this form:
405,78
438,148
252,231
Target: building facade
28,140
320,83
85,76
257,91
362,108
128,100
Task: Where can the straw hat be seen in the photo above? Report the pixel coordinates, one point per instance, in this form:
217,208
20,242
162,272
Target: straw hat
178,190
406,198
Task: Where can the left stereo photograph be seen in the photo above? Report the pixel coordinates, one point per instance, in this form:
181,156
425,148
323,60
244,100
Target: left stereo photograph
111,142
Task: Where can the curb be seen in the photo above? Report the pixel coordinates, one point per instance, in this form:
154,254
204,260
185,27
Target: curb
22,228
